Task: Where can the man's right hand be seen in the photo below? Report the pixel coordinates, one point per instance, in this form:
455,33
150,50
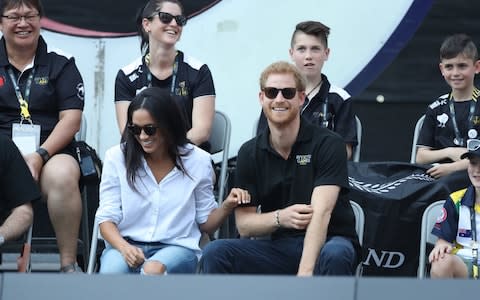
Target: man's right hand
296,216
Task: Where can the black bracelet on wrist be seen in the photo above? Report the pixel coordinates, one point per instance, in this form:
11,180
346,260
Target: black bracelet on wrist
43,154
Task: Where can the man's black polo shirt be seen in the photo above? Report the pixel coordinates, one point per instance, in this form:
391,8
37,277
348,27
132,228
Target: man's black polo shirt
318,157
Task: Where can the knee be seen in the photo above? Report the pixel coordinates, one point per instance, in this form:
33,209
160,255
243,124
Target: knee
153,267
213,249
442,267
337,259
214,255
112,262
63,175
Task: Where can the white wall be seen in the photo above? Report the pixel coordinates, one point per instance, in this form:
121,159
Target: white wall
237,39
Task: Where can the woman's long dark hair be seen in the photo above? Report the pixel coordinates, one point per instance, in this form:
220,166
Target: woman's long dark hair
147,12
170,121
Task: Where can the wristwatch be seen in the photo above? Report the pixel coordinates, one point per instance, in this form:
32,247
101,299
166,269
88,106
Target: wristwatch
2,240
43,154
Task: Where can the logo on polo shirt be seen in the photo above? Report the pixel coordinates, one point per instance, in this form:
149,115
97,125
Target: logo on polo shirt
182,89
133,77
476,120
302,160
41,80
80,91
2,81
442,120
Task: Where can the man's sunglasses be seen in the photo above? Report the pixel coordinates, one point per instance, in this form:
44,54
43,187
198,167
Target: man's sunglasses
137,130
473,144
166,18
288,93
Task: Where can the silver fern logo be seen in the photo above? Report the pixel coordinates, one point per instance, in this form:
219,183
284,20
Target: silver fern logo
377,188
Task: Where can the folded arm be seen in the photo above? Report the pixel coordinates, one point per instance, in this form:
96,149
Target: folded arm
323,202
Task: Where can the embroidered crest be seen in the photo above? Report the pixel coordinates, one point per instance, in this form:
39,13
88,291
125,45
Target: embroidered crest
443,216
41,80
303,160
442,120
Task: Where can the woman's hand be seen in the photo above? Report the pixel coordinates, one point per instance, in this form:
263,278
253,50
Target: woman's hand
132,255
236,197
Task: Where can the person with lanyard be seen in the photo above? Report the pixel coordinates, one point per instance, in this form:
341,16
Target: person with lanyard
326,105
160,24
455,254
452,118
156,193
41,103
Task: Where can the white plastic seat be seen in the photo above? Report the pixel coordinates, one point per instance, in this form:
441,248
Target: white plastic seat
429,217
356,150
416,133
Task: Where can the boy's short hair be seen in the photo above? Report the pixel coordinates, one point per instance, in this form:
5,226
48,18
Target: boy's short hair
457,44
283,67
315,28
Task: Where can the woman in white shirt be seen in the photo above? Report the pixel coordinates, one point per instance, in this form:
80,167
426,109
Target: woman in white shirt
156,193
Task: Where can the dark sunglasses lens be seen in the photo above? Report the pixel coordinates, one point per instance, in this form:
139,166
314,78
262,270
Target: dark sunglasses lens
271,92
134,129
181,20
289,93
150,130
137,130
166,18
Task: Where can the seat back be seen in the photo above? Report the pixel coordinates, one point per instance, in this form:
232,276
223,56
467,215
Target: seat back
429,217
81,135
416,133
356,151
220,142
359,220
92,259
359,228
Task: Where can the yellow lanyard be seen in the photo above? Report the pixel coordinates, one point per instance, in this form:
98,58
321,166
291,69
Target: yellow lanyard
24,112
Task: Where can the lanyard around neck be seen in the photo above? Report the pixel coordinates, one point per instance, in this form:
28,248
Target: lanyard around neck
24,112
474,242
174,74
458,137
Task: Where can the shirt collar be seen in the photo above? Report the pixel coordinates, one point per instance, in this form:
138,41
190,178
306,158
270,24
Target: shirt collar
304,134
469,198
40,55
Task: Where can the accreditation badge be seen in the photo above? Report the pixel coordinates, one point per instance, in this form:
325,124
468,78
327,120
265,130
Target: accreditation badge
26,136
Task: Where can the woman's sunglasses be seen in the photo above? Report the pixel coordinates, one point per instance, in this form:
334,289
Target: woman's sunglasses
166,18
288,93
137,130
